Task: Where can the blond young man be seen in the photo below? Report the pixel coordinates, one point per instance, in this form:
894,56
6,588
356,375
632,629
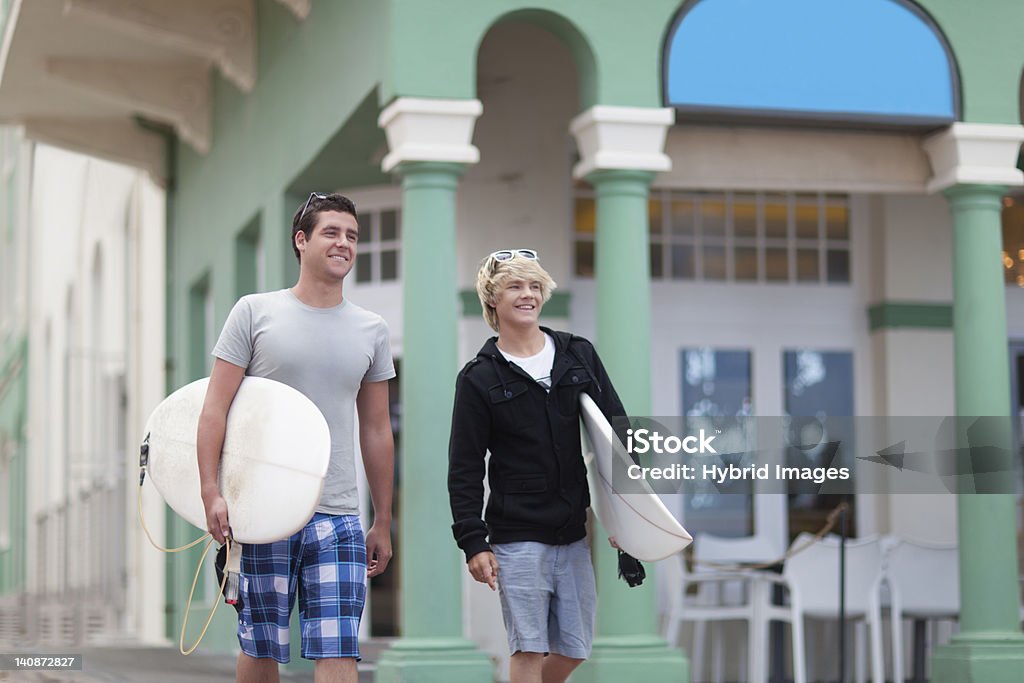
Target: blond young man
519,400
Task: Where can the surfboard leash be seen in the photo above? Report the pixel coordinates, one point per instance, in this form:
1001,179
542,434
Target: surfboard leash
143,467
216,601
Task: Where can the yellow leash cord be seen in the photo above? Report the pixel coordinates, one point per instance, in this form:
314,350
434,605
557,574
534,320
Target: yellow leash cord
195,579
216,601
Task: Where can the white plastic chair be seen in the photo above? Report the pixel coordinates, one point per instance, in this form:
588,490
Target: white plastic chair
924,583
722,595
811,579
712,549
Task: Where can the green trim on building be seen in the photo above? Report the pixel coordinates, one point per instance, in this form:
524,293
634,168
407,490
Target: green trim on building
556,307
13,412
889,315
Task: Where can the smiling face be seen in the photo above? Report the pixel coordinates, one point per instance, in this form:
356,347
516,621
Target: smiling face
330,251
518,302
501,284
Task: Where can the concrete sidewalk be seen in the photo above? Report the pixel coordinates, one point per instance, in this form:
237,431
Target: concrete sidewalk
125,663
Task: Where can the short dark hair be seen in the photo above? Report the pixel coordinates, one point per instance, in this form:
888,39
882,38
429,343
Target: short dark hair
306,215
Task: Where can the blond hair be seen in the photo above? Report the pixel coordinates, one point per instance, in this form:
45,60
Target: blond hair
493,275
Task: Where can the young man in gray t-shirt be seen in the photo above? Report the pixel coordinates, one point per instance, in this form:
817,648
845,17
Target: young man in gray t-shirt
337,354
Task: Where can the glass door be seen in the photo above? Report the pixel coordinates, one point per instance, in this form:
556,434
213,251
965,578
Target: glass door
816,385
716,383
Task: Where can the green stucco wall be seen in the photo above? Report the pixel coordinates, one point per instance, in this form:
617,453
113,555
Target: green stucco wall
13,409
617,45
312,76
986,40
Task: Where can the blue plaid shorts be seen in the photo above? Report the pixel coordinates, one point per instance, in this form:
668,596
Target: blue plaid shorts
326,562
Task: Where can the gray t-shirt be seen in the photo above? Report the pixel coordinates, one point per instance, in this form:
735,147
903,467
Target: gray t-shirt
327,354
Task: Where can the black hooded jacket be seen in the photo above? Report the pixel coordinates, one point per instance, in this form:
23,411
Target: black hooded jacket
537,476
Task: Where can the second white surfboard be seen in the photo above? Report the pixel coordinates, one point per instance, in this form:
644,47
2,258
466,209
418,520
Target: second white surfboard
640,523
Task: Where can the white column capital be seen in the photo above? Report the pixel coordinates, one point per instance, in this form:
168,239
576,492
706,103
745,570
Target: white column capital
420,129
630,138
974,154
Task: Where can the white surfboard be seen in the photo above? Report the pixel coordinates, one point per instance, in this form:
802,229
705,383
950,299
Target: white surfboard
277,446
640,523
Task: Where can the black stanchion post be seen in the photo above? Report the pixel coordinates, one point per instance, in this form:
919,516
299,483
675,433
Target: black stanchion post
842,594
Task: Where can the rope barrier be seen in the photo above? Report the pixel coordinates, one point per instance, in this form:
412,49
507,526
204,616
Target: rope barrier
830,522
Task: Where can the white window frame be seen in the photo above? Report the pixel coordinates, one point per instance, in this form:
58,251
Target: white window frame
729,241
370,203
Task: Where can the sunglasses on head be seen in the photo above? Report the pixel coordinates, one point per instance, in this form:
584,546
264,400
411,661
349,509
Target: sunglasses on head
312,195
503,255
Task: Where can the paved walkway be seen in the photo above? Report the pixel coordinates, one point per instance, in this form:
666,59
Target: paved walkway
122,664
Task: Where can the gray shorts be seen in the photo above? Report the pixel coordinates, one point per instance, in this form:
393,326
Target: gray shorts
548,597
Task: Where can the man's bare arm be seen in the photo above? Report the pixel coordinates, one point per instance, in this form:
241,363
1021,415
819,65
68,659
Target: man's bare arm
378,447
224,382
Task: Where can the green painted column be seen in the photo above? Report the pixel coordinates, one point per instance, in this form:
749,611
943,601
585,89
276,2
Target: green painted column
281,268
432,646
627,644
989,647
